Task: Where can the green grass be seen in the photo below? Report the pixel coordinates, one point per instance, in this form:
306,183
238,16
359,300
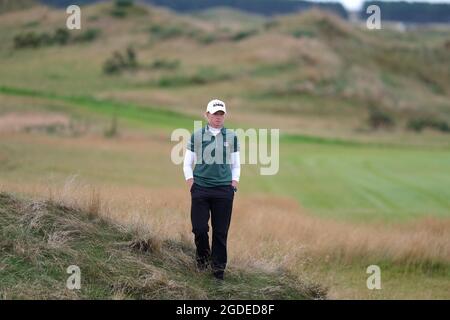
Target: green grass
39,240
356,183
97,165
128,111
336,178
360,182
397,282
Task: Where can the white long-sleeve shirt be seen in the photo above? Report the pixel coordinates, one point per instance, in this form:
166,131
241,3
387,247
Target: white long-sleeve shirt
190,159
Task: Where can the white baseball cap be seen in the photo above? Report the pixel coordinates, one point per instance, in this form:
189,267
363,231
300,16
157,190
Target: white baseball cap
216,105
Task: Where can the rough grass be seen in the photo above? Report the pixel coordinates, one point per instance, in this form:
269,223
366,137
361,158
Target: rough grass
40,239
274,237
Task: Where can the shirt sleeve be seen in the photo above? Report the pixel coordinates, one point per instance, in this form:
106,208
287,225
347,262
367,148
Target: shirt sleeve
188,163
235,166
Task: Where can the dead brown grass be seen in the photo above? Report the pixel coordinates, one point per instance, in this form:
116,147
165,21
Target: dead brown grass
266,232
13,122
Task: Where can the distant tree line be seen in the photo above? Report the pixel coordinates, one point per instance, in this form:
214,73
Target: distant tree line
410,12
265,7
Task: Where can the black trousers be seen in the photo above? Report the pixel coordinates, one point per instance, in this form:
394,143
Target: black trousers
216,202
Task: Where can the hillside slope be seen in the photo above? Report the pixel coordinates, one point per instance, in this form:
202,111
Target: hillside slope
40,239
309,73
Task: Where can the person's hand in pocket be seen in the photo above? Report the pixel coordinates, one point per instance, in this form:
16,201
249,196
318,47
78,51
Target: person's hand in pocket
190,182
234,184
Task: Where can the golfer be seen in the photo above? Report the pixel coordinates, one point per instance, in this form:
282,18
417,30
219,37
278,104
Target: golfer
213,182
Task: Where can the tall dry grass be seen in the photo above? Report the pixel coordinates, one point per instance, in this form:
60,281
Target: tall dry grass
268,233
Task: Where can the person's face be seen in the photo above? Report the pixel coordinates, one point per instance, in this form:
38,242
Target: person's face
216,119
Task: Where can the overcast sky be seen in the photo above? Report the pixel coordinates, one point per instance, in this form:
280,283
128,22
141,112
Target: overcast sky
356,4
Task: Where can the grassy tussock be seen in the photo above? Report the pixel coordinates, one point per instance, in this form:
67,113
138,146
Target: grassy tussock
41,238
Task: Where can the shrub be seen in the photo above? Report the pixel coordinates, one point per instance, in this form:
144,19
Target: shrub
300,33
35,40
110,66
163,32
46,39
88,35
119,62
379,118
118,12
61,36
207,38
124,3
27,40
131,58
173,81
241,35
420,123
120,8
